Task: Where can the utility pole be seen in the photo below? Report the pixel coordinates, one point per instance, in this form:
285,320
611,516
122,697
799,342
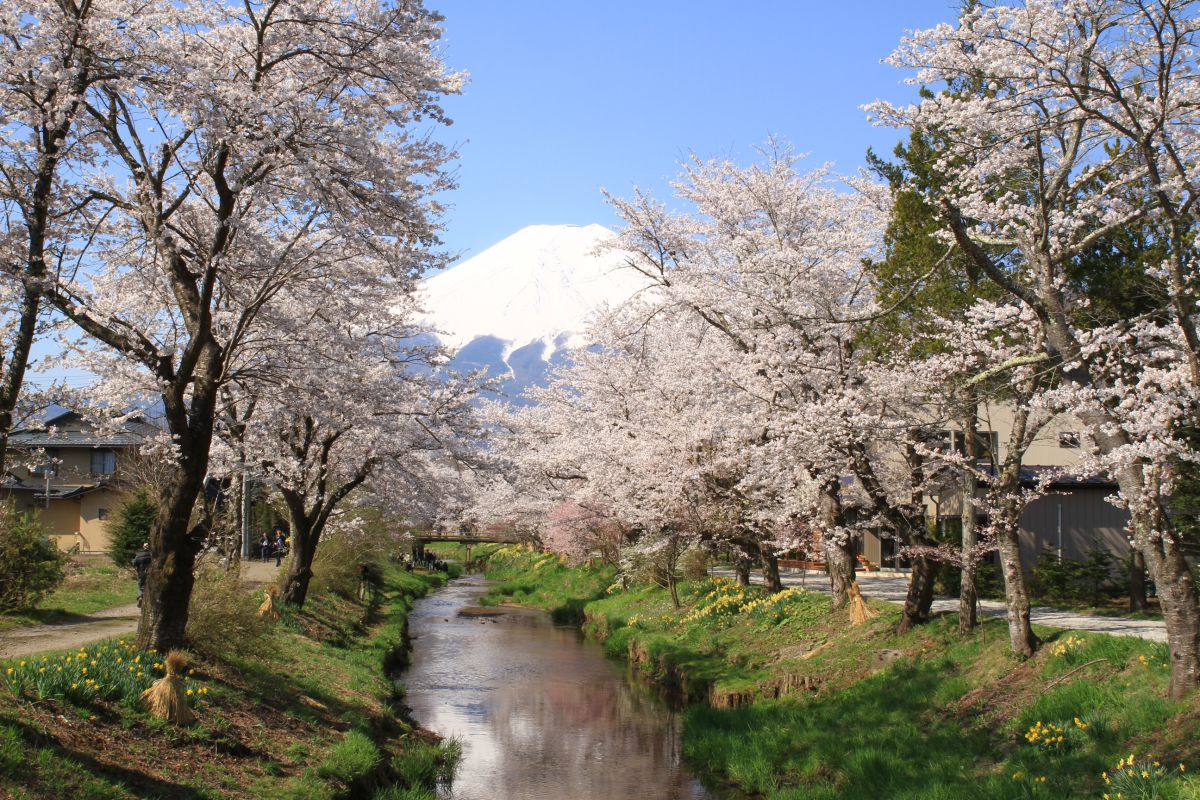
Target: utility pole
247,510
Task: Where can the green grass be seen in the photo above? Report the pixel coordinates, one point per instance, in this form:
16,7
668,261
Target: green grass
426,764
544,581
92,584
789,701
351,760
272,726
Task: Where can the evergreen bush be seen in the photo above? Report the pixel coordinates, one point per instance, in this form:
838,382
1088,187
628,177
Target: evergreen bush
989,581
31,566
130,526
1090,581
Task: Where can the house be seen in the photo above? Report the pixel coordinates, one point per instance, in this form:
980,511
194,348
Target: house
1072,518
65,471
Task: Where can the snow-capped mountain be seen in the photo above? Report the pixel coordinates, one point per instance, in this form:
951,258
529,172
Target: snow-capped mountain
516,305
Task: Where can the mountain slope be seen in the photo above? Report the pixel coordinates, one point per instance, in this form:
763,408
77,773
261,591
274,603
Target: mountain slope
516,305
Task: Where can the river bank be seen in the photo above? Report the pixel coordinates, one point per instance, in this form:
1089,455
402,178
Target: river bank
787,700
308,710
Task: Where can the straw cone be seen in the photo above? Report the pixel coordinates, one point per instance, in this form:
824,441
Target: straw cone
860,612
269,608
165,698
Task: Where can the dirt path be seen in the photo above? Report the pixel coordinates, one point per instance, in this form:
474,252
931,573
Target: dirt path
83,629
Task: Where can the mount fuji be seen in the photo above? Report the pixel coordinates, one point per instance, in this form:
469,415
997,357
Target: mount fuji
518,305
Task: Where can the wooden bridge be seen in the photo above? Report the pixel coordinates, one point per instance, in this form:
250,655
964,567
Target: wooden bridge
463,538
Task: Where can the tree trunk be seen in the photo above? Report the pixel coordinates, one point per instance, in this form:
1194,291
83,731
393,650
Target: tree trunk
1178,599
741,569
968,600
1137,581
839,561
300,561
1021,637
919,600
771,573
18,356
173,548
839,557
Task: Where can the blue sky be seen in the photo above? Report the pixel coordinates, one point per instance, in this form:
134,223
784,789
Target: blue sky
567,97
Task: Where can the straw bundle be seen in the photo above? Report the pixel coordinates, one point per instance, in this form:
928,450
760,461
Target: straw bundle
165,698
269,608
860,612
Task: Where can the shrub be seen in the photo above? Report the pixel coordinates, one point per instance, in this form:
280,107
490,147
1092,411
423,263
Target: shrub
1089,581
694,564
351,760
31,566
223,616
989,582
130,526
341,554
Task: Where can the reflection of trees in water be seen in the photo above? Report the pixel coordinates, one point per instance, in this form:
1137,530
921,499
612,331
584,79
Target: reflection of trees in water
595,740
542,716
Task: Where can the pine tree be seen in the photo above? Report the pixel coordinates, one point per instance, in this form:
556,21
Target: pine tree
130,526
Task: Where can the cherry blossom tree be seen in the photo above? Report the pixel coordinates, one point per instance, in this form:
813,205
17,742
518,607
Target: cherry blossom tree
1085,126
772,260
340,419
263,166
51,55
628,437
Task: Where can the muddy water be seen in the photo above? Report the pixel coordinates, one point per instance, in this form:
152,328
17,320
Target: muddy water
541,713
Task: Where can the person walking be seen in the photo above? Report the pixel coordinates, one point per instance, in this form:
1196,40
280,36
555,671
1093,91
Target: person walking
280,546
141,563
264,548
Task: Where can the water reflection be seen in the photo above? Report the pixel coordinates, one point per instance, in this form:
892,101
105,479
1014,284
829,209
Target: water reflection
542,715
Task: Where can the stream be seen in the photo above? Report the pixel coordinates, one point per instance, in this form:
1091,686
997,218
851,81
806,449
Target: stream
541,713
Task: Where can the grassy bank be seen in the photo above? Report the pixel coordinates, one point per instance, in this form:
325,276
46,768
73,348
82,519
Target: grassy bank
306,711
91,583
789,701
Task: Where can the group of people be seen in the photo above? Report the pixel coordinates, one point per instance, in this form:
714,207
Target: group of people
267,547
425,561
277,547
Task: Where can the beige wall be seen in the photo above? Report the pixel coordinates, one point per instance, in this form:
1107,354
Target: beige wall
74,522
61,519
1045,450
92,528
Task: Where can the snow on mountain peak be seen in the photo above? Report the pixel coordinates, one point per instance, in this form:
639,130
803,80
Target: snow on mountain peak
543,283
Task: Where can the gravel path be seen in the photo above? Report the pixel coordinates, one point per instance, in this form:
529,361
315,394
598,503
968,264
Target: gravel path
893,588
83,629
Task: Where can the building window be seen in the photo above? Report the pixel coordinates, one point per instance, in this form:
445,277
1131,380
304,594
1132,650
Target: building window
104,462
987,443
49,464
1068,439
102,513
